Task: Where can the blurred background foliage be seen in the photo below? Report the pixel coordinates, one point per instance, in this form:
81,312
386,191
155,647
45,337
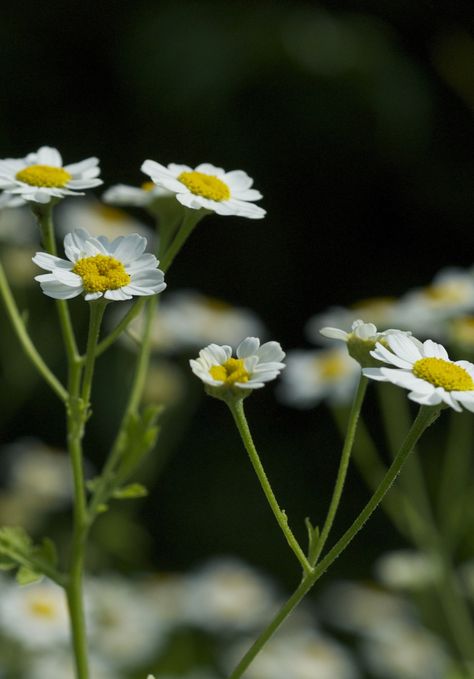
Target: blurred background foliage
355,120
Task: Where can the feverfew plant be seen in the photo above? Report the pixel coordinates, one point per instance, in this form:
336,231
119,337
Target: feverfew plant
100,269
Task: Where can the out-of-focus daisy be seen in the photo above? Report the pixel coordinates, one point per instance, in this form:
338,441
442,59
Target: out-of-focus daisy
460,332
35,615
189,320
208,187
41,176
228,595
167,593
99,220
165,383
426,310
253,366
409,652
361,340
18,227
116,270
364,609
128,627
426,370
59,665
135,196
18,265
406,569
314,375
382,312
304,654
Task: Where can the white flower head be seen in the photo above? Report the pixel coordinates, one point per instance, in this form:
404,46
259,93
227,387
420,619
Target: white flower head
208,187
426,370
408,570
8,200
228,376
361,340
315,375
116,270
41,176
134,196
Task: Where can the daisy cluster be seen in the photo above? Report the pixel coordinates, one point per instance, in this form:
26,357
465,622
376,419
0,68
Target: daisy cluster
417,321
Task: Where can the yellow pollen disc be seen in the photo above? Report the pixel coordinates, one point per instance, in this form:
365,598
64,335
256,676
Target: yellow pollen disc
230,372
148,186
331,367
205,185
444,374
44,175
101,272
43,609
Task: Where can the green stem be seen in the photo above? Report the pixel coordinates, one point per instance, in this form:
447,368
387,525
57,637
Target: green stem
343,467
101,492
44,215
25,340
190,220
97,309
120,327
425,417
237,409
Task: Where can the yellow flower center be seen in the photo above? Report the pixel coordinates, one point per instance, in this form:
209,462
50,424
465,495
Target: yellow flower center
444,374
331,366
44,175
43,609
205,185
462,329
101,272
110,214
217,305
148,186
446,293
230,372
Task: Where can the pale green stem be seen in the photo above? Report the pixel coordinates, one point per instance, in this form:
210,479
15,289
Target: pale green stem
25,340
343,467
44,216
97,309
237,409
136,391
190,220
426,416
120,327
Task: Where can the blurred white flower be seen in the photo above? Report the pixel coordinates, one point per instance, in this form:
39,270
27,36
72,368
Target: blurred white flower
305,654
18,227
313,375
35,615
167,593
134,196
364,609
208,187
129,630
188,320
227,595
407,569
409,652
59,665
41,176
99,220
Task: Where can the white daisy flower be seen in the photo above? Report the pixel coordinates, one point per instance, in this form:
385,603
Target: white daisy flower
208,187
116,270
314,375
134,196
253,366
59,664
426,370
7,200
407,569
41,176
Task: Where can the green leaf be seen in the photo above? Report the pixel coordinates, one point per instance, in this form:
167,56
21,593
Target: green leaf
47,552
25,576
133,490
140,435
6,564
15,538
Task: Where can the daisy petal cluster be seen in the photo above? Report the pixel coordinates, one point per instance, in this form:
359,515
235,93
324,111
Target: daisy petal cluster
41,176
116,270
135,196
426,371
208,187
253,366
361,340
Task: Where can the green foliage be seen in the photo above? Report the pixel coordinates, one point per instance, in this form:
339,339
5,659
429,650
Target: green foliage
313,539
17,550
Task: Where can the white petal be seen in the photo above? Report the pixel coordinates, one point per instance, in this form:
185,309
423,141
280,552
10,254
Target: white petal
248,347
432,349
208,168
404,347
81,166
47,155
271,352
238,180
334,333
381,353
